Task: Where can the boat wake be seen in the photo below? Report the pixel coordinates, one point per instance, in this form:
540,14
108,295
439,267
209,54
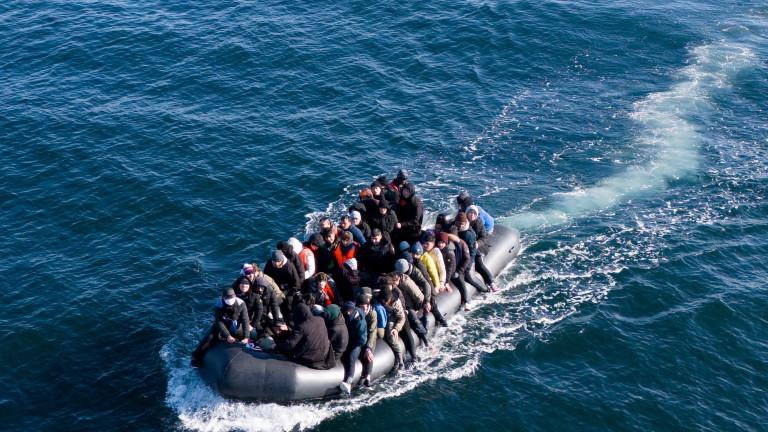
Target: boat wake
670,128
552,279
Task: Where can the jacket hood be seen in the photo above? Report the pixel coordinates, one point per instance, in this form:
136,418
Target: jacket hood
409,186
295,244
332,312
301,313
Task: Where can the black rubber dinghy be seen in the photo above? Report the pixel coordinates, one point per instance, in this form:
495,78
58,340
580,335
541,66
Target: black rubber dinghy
236,372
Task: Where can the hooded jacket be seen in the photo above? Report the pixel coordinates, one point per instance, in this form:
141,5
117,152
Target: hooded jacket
372,325
410,213
386,223
230,320
424,285
337,332
357,329
437,257
429,264
377,259
449,258
412,296
286,277
308,343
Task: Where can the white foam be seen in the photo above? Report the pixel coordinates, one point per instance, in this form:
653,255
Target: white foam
668,121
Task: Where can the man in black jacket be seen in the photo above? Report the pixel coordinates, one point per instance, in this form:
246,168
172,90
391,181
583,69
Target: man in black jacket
308,342
375,257
410,214
231,324
385,220
286,277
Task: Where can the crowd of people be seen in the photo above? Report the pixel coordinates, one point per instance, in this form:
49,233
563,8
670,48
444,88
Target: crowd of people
332,298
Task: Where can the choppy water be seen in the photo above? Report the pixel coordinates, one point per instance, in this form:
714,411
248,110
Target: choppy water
148,148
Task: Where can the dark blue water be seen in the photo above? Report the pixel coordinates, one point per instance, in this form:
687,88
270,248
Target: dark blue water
148,148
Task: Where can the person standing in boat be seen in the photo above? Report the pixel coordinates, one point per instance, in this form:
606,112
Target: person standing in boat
410,214
230,324
385,220
375,257
358,337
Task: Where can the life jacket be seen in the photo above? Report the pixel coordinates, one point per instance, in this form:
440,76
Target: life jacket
303,257
342,256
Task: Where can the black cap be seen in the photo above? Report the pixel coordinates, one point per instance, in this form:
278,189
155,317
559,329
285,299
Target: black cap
228,293
402,174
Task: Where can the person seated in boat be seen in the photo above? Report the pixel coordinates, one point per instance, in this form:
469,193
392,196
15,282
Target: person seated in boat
252,302
372,324
344,249
377,191
346,225
362,225
453,273
410,214
410,268
357,331
336,330
323,257
305,254
267,319
349,280
307,343
403,250
293,257
481,245
428,241
375,257
390,299
287,278
465,200
426,264
322,289
385,220
465,233
427,267
230,325
415,299
442,224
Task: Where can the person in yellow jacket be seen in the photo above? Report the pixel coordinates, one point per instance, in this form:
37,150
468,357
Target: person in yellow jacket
417,250
429,249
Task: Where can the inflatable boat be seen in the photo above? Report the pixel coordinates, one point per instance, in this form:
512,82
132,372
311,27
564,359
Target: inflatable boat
237,372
